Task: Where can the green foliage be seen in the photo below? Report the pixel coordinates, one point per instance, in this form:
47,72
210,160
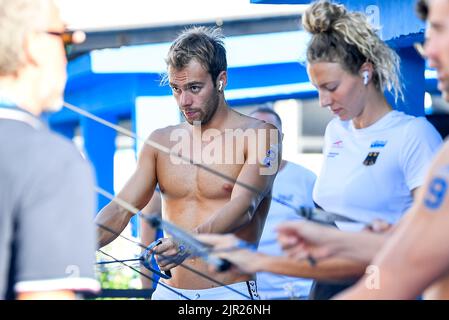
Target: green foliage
116,278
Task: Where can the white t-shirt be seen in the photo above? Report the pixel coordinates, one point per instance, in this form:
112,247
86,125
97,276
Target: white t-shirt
293,185
369,173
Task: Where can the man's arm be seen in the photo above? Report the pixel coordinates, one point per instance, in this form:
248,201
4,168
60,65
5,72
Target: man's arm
244,202
149,235
47,295
137,192
418,252
300,239
329,269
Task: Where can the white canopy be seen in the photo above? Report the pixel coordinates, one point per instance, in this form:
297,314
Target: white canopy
118,14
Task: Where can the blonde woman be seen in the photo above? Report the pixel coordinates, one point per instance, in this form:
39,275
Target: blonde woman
375,158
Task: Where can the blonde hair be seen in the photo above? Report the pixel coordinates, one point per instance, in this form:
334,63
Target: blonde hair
17,18
348,39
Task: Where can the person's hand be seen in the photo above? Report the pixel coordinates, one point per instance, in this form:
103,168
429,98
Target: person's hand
307,240
236,251
378,226
169,254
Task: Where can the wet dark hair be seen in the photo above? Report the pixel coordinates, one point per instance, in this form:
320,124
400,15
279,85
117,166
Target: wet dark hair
205,45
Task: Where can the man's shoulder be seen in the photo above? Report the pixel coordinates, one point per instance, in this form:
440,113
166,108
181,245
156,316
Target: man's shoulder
163,132
58,156
58,145
45,155
162,138
244,122
43,143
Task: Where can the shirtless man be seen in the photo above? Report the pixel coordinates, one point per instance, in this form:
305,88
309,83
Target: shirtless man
239,147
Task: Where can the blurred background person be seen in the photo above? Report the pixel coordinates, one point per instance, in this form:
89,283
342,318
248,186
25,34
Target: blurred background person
293,185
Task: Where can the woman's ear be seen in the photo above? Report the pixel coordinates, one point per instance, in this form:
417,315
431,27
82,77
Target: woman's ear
365,75
366,71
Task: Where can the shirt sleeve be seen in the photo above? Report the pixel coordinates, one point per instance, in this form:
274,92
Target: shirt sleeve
56,240
422,141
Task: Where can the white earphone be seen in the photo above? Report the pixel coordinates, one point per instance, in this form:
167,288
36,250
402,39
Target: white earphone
220,86
365,77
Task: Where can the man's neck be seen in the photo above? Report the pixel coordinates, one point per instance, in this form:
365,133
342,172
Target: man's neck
20,92
218,120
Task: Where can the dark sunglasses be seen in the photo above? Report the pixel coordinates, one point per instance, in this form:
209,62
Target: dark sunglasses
69,38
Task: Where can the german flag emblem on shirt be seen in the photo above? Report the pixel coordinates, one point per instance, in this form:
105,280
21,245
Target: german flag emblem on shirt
371,158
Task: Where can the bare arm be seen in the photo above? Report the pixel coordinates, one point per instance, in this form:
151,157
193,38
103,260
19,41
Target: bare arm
329,269
300,239
47,295
137,192
418,252
149,234
244,202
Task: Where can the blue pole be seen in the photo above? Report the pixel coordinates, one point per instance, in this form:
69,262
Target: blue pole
99,145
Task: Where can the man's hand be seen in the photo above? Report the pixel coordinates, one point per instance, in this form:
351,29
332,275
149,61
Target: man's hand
378,226
230,247
169,254
302,239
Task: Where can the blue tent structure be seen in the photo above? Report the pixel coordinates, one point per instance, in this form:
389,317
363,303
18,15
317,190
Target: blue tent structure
262,68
